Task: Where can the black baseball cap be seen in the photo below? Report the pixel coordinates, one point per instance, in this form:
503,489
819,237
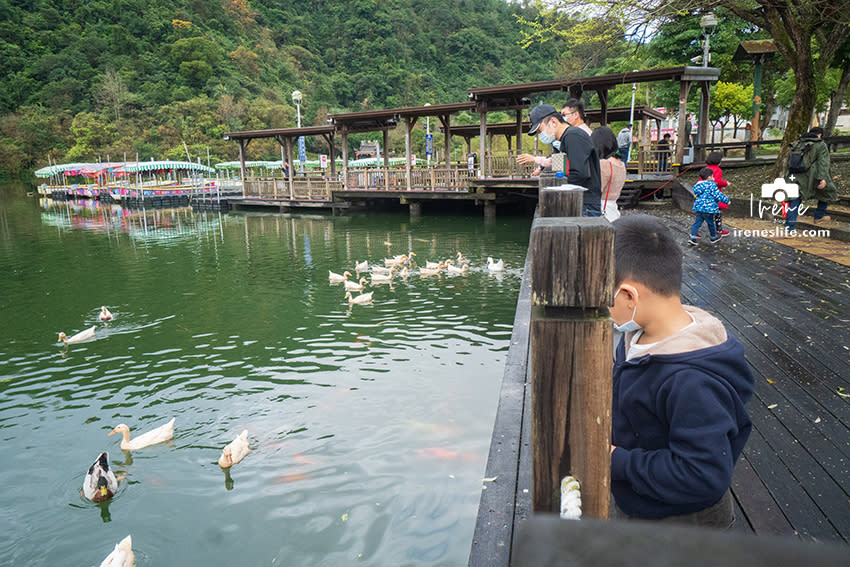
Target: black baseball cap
538,113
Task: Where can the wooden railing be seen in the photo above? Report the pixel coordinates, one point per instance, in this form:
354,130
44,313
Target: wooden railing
505,165
455,178
302,188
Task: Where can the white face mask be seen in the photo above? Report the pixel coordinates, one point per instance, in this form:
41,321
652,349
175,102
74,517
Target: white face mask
631,325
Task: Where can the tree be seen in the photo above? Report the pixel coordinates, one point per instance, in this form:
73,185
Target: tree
730,101
113,92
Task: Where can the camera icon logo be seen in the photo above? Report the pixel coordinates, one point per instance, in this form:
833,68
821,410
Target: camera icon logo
780,190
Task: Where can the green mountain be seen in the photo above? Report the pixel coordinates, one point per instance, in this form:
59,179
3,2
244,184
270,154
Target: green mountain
123,77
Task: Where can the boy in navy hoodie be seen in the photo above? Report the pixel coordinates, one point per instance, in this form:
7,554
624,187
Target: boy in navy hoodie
680,388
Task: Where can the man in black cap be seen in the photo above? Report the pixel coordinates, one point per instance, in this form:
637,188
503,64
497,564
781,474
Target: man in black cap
582,167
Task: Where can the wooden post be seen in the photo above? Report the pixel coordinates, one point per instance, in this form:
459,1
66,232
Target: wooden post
562,200
681,141
386,160
408,123
242,165
572,275
482,134
344,157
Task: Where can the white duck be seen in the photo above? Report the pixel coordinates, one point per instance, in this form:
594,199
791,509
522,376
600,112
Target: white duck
105,314
382,271
429,271
360,299
382,278
122,555
234,451
396,260
461,259
455,270
152,437
337,278
100,483
355,286
361,266
437,265
78,338
404,273
495,266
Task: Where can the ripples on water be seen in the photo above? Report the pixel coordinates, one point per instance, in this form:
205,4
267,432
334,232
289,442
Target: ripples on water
370,424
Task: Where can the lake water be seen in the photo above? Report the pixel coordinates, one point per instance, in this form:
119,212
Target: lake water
370,425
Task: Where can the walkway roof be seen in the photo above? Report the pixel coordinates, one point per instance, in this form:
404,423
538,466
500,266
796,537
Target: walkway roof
384,119
507,96
281,132
619,114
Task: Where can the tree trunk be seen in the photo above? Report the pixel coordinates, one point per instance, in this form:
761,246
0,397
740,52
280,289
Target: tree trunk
837,99
800,111
764,118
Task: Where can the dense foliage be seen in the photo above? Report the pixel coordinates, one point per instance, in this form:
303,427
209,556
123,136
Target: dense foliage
85,79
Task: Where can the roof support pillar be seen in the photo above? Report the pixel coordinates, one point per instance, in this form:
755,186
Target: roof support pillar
681,142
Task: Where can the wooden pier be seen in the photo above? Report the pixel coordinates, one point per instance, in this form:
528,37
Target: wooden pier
791,311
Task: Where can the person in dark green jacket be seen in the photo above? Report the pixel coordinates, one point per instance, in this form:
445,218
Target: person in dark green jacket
816,183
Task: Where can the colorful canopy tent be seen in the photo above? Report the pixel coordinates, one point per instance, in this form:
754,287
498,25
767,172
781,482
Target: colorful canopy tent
265,164
84,169
119,168
162,166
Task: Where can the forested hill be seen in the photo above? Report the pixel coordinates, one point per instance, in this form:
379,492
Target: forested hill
86,78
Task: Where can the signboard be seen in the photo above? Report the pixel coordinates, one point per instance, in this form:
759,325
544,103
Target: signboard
323,161
302,152
429,145
412,160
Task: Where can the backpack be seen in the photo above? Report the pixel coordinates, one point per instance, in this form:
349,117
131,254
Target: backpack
798,160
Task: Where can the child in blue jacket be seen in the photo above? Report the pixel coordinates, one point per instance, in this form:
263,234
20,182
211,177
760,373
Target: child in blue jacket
706,205
681,385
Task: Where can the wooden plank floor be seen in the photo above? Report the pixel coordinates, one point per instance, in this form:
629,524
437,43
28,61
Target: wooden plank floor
792,312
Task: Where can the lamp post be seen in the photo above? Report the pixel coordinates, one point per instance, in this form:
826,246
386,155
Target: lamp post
302,154
707,23
632,109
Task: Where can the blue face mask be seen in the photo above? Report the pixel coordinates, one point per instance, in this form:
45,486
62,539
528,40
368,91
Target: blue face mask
546,138
629,326
557,145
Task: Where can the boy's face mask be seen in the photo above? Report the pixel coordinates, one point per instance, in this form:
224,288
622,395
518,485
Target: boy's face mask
631,325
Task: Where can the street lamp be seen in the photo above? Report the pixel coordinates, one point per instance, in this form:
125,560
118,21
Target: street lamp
707,23
302,153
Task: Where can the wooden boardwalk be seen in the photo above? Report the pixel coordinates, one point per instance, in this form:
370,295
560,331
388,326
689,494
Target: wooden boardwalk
791,310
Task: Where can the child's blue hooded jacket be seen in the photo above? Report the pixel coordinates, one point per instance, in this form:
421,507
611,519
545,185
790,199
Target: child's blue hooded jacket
707,196
679,420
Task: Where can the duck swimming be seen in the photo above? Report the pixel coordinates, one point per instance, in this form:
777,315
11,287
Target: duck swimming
495,266
337,278
80,337
355,286
234,451
105,314
122,555
100,483
152,437
360,299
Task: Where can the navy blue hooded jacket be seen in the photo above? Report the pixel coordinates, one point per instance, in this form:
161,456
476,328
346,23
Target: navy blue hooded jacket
679,420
